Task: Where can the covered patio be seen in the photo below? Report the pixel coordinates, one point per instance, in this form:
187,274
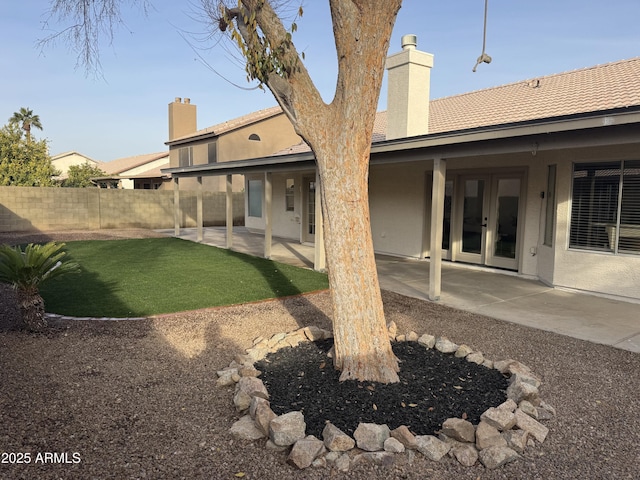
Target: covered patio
495,293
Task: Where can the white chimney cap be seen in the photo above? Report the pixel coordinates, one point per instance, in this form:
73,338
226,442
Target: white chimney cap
409,42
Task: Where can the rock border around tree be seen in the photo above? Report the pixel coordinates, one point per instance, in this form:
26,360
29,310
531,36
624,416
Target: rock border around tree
501,436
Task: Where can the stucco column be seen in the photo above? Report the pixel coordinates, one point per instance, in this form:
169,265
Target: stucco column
319,260
229,216
268,220
176,206
199,213
437,217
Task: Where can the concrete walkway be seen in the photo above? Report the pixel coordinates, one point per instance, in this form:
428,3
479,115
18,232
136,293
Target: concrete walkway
500,295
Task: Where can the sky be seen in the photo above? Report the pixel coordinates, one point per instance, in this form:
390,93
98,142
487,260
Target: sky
160,55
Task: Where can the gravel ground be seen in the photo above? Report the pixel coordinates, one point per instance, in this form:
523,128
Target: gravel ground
136,399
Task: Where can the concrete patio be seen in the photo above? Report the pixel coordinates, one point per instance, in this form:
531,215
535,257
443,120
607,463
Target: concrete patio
497,294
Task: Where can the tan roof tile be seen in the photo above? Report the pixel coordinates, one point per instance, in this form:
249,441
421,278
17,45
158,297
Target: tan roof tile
601,87
123,164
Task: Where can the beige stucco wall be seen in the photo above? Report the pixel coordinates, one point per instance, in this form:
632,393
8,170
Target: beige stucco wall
286,224
63,163
46,209
276,133
397,202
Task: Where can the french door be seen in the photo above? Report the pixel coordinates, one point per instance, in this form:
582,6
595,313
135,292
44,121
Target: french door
487,211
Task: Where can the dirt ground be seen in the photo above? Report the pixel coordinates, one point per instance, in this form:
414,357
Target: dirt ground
137,399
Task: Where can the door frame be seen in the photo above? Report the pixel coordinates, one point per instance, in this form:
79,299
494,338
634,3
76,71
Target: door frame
307,202
486,257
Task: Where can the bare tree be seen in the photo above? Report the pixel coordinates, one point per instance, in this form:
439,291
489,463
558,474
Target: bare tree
339,133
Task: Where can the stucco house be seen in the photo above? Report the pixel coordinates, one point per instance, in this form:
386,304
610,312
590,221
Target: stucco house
137,172
250,136
63,161
539,177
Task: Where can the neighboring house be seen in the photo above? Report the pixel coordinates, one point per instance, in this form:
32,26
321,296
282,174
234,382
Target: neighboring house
539,177
63,161
138,172
255,135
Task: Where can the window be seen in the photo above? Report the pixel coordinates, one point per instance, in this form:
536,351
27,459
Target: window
254,137
550,217
289,195
185,155
605,209
212,152
255,198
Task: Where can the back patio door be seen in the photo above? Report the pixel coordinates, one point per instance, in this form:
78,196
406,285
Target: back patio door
488,209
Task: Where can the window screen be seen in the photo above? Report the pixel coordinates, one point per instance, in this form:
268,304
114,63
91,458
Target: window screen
212,152
186,156
605,206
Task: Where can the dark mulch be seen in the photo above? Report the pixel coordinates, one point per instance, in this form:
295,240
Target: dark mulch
433,387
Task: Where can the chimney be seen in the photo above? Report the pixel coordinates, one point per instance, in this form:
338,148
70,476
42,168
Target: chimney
182,118
408,90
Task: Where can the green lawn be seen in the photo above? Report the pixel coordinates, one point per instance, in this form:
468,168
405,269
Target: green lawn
139,277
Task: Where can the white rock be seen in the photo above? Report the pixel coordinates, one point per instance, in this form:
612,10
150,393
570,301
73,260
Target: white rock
500,418
488,436
305,451
287,429
246,429
427,341
371,437
445,345
463,351
476,357
404,436
336,440
494,457
431,447
392,445
535,428
467,455
459,429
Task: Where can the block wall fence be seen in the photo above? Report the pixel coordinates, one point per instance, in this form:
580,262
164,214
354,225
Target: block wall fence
24,209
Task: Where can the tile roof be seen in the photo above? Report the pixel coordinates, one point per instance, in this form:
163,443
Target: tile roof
120,165
601,87
233,124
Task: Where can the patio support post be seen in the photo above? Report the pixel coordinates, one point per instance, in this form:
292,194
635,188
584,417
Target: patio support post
319,259
437,218
176,206
229,217
268,227
199,216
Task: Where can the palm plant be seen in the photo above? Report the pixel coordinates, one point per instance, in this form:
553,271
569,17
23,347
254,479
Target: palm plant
26,119
25,270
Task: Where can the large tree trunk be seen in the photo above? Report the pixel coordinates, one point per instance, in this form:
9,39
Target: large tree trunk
340,135
32,310
362,347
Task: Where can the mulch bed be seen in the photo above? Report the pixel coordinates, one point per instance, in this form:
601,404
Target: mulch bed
433,387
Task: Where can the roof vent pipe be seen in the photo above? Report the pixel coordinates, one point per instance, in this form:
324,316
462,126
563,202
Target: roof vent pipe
409,42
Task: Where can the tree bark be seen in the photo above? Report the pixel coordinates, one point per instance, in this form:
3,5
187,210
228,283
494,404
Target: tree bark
32,311
340,136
